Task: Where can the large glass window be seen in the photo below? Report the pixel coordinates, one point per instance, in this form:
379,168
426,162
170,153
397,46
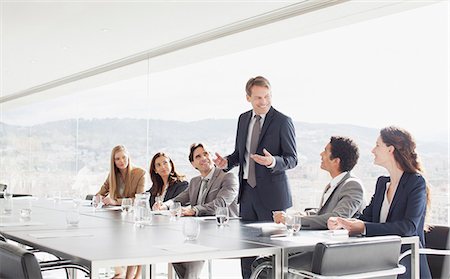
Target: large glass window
350,81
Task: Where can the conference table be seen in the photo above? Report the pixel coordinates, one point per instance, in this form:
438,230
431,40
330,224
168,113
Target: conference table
108,237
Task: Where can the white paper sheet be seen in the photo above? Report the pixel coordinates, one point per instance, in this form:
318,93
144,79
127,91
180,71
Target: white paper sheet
185,248
109,208
266,225
161,212
214,218
60,234
21,224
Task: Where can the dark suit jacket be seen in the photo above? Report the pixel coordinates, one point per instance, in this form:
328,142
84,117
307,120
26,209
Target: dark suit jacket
406,215
172,191
278,137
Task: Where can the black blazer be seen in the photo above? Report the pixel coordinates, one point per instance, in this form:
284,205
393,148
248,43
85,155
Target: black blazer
278,137
172,191
406,215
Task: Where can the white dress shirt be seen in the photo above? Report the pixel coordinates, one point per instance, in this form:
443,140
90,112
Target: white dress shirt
386,205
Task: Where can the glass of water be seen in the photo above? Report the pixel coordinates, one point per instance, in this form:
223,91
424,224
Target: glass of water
73,217
191,228
222,215
8,205
175,211
97,202
293,223
127,205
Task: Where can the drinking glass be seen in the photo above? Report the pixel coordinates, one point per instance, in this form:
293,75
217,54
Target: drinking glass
293,223
175,211
97,202
73,217
8,205
127,205
158,203
222,215
142,216
25,212
191,228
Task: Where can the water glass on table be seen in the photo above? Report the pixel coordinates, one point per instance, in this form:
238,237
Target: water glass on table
159,202
25,212
73,214
72,217
97,202
293,223
127,205
8,204
142,216
175,211
191,228
222,216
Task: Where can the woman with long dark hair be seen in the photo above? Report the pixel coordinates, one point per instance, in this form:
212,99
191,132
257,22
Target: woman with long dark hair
167,183
399,204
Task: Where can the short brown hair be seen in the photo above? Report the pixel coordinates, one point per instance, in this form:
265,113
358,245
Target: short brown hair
192,149
258,81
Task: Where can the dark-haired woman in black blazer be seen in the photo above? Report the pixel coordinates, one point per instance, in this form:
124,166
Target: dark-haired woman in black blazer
167,183
399,204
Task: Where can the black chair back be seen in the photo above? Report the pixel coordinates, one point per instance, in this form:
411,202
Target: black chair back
438,237
363,255
16,262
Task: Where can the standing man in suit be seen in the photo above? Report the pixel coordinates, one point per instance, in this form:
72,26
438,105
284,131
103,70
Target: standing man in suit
265,148
211,189
344,195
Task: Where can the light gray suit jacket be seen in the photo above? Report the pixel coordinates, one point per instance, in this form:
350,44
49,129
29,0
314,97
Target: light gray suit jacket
347,201
222,190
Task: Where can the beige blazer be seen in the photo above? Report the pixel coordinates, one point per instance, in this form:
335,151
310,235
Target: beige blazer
138,183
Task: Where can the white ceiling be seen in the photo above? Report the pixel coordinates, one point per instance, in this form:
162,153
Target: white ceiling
46,41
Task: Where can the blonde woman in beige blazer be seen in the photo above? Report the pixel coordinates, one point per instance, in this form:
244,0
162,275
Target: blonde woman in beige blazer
123,181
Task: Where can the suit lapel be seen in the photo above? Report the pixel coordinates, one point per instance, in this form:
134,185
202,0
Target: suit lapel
267,120
398,193
243,140
347,176
196,183
169,191
210,183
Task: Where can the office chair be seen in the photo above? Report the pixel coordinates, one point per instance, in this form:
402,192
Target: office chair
437,251
437,239
17,262
371,257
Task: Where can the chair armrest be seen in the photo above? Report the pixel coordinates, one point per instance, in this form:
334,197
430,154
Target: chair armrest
426,251
62,264
400,269
429,251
